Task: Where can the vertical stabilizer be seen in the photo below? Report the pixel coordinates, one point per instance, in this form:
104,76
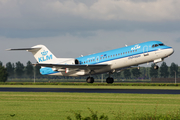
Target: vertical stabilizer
41,54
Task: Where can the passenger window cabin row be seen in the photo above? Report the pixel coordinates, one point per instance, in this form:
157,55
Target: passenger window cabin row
105,57
115,55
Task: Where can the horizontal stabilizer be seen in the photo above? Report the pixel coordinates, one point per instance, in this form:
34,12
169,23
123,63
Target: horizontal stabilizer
41,54
24,49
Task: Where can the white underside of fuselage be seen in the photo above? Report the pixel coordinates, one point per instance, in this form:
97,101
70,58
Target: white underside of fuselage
121,63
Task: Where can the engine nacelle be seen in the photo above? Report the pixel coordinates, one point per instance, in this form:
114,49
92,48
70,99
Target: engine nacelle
77,61
72,62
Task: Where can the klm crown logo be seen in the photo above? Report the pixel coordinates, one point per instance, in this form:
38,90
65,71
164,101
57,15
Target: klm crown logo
136,47
45,56
44,53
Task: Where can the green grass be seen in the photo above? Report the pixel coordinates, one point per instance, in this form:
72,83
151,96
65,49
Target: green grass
48,106
93,87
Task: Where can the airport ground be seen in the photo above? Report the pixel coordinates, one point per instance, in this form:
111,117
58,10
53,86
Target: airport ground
97,85
56,106
59,105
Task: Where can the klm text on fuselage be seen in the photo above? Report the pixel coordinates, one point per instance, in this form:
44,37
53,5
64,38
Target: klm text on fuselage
45,58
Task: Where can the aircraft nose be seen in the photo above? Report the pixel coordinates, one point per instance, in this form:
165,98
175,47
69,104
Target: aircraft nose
171,51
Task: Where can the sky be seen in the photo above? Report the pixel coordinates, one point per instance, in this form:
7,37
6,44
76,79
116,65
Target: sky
71,28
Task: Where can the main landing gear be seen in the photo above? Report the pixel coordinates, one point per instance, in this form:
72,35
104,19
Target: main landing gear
109,80
90,80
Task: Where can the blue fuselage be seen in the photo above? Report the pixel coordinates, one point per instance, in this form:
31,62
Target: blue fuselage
133,51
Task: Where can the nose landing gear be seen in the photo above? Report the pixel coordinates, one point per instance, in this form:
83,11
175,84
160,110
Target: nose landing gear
156,67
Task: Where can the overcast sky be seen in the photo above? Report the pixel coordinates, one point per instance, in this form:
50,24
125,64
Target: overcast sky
70,28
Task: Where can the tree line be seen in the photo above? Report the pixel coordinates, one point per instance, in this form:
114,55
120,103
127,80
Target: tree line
3,73
18,70
163,72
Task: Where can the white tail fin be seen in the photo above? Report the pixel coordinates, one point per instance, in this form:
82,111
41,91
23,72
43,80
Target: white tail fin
41,54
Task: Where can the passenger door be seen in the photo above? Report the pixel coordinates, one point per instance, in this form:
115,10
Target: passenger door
145,50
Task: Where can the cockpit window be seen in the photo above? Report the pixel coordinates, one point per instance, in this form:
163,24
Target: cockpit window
156,45
161,44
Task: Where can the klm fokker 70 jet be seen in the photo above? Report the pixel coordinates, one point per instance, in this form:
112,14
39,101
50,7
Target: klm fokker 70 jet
108,61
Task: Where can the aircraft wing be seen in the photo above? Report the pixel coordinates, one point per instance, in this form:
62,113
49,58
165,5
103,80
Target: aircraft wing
64,66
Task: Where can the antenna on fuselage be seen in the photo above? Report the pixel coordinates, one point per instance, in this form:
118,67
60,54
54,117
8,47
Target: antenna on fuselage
125,45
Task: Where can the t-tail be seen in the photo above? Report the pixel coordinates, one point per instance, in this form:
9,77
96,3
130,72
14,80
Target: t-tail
41,54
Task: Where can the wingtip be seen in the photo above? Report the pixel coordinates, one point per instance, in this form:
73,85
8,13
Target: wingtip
8,49
34,64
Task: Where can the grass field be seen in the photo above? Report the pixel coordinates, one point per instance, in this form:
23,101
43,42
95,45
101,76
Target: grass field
100,87
55,106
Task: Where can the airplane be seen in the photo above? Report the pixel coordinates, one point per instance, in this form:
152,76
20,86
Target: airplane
104,62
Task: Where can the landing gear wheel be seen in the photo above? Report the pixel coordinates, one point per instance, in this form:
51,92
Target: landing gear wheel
110,80
156,67
90,80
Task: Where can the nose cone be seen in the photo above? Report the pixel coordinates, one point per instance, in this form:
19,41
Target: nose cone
171,51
